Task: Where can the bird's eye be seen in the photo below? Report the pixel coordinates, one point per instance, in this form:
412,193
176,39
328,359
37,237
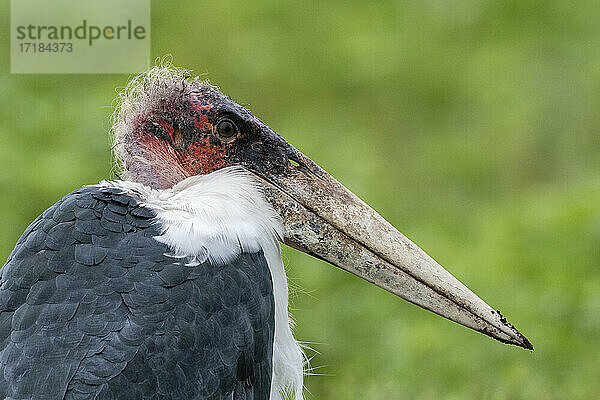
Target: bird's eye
226,128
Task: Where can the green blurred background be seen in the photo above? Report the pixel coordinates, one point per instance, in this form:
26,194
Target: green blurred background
472,126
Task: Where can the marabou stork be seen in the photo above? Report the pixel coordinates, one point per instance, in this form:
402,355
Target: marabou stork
169,284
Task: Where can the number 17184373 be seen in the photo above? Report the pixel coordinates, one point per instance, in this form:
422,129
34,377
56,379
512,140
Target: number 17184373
41,47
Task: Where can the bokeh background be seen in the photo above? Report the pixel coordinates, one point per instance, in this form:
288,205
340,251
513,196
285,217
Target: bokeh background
473,126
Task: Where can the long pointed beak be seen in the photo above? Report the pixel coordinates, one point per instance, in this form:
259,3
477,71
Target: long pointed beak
326,220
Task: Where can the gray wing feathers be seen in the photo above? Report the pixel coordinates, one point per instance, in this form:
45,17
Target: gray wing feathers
91,307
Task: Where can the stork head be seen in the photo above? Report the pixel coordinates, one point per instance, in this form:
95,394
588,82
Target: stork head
170,127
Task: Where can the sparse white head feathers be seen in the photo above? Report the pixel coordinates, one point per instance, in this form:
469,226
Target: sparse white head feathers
142,102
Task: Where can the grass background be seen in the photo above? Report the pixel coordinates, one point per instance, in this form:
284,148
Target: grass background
472,126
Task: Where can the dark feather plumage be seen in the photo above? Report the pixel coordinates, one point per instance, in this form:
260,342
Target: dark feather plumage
92,307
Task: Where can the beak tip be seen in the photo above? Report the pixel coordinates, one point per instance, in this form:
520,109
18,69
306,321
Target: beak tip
524,343
517,338
527,344
520,341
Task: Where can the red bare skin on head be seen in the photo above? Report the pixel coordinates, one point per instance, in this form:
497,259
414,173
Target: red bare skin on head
179,143
174,134
204,155
204,158
167,127
201,111
198,158
164,162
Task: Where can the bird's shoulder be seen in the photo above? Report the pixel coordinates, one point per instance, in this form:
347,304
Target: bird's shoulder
61,290
92,304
